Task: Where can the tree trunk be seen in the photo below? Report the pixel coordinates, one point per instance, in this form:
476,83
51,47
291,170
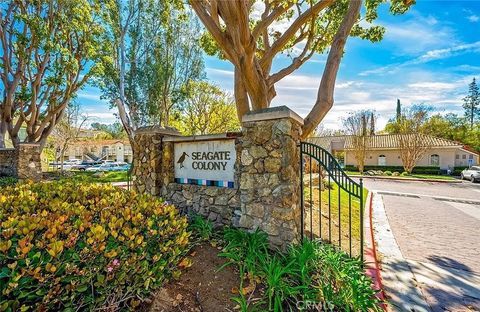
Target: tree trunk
3,133
241,96
327,85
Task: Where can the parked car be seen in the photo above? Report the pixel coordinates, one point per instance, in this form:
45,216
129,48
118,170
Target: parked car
122,167
101,167
84,165
67,164
109,166
472,173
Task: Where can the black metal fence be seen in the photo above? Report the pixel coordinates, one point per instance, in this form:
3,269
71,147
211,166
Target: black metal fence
331,202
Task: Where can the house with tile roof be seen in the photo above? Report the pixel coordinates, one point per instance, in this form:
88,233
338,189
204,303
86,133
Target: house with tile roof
115,150
384,150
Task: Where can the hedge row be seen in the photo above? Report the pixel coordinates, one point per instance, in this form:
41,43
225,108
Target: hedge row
458,170
78,246
418,170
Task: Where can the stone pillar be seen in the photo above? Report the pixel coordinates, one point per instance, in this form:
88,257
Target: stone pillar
152,163
28,162
270,174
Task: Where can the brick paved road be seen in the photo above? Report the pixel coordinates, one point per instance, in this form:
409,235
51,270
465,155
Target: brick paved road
440,240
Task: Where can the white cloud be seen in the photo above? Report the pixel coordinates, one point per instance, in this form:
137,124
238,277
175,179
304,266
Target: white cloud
426,57
418,33
473,18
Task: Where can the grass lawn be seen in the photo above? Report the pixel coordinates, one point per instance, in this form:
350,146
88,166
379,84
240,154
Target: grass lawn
108,177
412,176
323,216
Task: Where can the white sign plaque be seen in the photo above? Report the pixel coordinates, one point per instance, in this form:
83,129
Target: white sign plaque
205,162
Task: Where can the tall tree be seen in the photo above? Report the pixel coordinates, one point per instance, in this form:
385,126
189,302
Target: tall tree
399,110
49,50
357,126
472,103
311,26
207,110
156,53
67,130
411,135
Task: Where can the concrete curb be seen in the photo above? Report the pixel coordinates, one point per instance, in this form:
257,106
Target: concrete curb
404,179
372,266
398,279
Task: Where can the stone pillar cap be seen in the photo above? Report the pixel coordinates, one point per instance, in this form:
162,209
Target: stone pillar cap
270,113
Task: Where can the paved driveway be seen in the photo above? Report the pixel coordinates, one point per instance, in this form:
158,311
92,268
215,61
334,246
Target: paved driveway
437,227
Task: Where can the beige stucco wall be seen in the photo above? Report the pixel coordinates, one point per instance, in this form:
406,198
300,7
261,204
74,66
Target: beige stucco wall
462,157
447,157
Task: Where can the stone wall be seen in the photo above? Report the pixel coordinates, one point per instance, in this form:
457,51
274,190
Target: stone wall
219,204
269,174
29,165
267,178
8,166
24,162
148,159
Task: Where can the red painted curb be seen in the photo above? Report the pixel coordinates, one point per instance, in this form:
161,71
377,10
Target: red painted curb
372,267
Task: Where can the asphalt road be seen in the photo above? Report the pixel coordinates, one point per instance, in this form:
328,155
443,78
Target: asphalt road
437,227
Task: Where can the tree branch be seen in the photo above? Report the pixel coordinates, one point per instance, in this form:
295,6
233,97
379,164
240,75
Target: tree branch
280,43
327,85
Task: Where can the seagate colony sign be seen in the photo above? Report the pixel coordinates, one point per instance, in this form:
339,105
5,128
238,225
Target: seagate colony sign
205,162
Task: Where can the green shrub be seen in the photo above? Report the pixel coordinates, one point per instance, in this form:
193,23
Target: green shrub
69,245
6,181
404,174
395,174
311,273
417,170
201,227
458,170
387,173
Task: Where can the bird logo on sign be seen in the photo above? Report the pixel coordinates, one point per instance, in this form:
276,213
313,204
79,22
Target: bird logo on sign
181,159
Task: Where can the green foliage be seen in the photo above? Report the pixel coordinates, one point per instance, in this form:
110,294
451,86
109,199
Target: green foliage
455,128
207,109
68,245
160,56
112,131
472,104
201,227
387,173
56,47
309,274
404,174
6,181
418,169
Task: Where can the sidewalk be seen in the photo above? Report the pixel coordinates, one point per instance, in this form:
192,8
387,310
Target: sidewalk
429,261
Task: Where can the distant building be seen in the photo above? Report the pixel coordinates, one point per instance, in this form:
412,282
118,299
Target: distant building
384,150
116,150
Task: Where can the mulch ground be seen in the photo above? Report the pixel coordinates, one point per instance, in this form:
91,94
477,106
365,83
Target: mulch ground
201,287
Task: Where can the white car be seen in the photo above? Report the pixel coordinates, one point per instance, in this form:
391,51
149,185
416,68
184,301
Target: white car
103,167
472,174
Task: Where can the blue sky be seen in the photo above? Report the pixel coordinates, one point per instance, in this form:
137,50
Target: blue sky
429,55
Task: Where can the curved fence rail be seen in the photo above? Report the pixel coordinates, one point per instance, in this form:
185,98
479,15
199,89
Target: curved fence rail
331,202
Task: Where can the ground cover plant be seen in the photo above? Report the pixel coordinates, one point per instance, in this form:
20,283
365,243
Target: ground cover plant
69,245
308,276
88,176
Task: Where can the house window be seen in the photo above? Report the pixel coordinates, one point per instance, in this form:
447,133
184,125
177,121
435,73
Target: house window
434,160
382,160
457,156
470,156
464,156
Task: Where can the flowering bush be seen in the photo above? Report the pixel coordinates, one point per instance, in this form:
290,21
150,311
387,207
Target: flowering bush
78,246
